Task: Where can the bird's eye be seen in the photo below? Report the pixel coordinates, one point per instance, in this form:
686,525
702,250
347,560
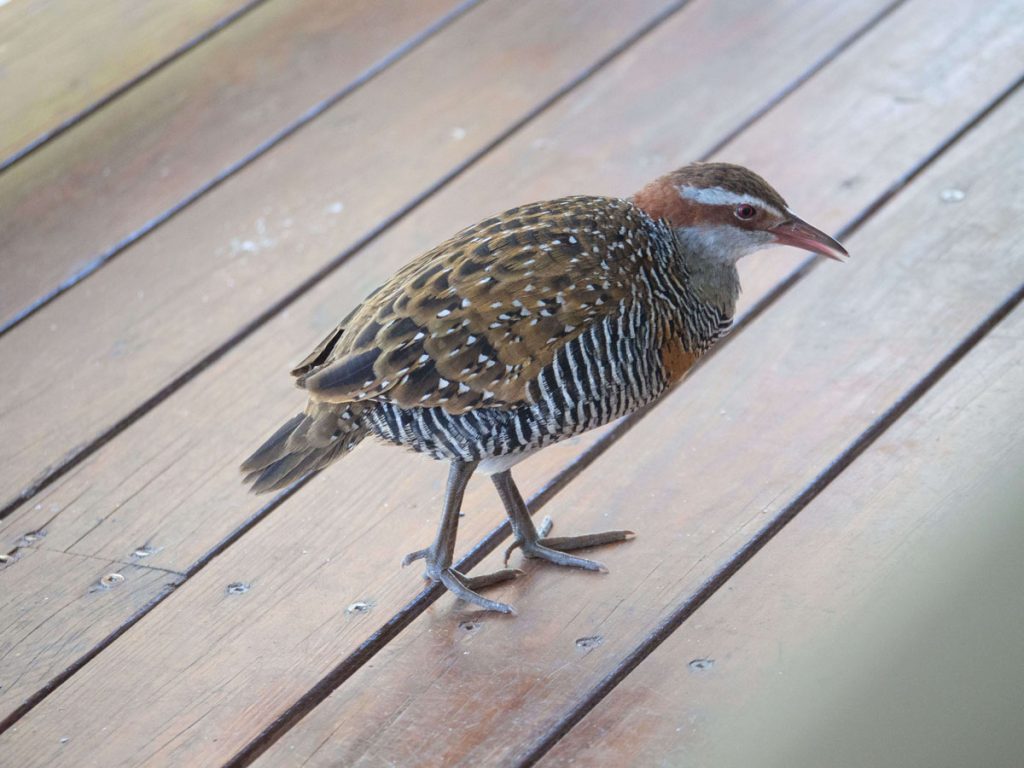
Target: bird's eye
745,211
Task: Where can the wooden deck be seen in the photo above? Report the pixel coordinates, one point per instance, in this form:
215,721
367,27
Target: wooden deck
830,510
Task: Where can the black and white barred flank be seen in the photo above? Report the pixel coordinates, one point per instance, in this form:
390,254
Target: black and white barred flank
611,370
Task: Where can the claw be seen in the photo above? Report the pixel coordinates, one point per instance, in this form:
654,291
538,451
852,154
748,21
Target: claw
540,551
457,584
412,557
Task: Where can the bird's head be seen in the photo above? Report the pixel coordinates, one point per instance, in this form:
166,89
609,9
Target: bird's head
726,211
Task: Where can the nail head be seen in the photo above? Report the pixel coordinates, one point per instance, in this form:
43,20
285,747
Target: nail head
111,580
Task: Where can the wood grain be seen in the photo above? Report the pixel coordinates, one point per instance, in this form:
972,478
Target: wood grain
196,282
58,606
49,75
829,622
87,192
292,618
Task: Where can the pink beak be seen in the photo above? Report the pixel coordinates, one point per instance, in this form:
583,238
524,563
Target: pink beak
800,234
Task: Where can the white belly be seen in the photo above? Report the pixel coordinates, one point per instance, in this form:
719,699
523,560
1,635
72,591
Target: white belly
500,463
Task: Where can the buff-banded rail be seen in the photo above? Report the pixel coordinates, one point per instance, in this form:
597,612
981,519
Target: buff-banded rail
528,328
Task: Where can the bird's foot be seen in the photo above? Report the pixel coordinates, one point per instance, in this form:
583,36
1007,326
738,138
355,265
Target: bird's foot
554,549
462,586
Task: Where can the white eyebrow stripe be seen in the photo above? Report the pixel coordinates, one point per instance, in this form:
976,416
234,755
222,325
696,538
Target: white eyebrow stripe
719,196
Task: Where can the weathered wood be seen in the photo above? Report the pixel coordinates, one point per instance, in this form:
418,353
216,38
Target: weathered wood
86,193
293,606
84,600
60,57
696,480
200,279
834,620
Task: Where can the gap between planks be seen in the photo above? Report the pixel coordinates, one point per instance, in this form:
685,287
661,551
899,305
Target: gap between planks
120,90
420,603
231,169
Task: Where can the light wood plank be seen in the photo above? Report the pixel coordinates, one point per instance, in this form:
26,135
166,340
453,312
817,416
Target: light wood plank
200,279
58,58
58,607
84,194
718,458
300,582
884,621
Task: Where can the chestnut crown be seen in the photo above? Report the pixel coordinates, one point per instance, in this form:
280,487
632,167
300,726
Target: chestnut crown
722,212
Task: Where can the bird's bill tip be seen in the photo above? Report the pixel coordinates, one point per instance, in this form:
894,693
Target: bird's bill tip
800,234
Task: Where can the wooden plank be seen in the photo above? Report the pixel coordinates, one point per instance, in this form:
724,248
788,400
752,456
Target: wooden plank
60,57
726,451
199,280
59,607
132,490
94,188
825,642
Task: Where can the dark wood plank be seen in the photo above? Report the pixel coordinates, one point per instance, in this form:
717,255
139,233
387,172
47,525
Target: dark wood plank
196,282
734,445
826,642
351,558
85,599
86,193
48,74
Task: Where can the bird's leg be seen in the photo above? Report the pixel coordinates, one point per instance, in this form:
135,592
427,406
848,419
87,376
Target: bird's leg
440,554
537,543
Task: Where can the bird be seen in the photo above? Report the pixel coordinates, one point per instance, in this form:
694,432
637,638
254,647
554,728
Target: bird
528,328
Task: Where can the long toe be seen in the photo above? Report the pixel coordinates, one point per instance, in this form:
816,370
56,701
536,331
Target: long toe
489,579
554,548
540,551
568,543
459,586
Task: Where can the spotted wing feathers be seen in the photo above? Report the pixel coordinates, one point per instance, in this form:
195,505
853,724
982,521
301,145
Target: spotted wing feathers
474,321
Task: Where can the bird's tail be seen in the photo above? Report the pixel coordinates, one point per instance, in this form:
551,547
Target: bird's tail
304,444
